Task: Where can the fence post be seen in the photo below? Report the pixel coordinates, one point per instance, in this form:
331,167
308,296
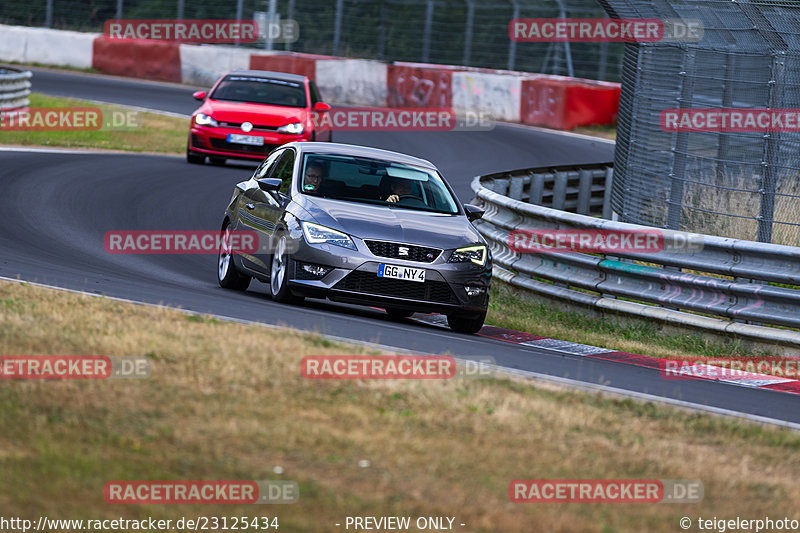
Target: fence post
119,9
337,26
238,16
601,63
289,16
48,14
678,173
382,31
727,103
769,163
567,50
468,32
512,44
426,38
180,10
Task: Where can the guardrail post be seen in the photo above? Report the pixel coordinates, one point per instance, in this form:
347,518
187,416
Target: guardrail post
559,190
515,188
584,192
501,186
536,188
607,193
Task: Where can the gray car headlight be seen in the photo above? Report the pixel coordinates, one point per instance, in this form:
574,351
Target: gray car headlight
316,234
476,254
296,128
202,119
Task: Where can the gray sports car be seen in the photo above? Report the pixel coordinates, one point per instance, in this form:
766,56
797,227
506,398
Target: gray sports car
358,225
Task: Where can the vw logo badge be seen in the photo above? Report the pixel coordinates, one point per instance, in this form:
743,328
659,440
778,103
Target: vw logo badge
247,127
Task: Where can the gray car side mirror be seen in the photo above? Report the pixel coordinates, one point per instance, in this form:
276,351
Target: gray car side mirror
269,184
473,212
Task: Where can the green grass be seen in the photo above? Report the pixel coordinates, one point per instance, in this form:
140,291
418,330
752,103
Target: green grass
150,132
606,131
226,401
508,310
22,66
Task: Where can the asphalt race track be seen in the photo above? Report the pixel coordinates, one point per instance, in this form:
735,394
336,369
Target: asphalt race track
57,206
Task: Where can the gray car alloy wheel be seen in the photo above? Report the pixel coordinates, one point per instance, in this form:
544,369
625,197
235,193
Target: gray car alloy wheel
225,252
278,272
227,274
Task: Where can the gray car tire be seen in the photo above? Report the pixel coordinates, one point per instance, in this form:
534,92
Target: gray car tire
466,324
228,275
280,263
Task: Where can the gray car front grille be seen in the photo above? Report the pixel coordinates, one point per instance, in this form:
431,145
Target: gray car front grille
369,283
408,252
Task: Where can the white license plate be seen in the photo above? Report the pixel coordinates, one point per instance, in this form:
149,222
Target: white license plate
245,139
400,272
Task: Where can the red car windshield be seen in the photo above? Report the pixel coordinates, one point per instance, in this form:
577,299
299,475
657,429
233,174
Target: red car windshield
257,90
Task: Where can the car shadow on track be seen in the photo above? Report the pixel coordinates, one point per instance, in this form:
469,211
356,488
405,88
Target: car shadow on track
259,291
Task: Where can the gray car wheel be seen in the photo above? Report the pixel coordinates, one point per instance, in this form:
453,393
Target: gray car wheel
227,274
466,324
398,314
279,273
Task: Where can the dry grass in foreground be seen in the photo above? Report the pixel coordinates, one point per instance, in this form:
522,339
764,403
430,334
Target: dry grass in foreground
226,401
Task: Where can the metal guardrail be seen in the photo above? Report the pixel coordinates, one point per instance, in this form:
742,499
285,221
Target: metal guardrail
15,87
663,285
580,189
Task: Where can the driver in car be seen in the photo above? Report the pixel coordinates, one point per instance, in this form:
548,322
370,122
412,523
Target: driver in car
315,174
400,187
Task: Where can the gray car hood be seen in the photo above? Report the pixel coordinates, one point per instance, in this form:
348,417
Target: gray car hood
395,224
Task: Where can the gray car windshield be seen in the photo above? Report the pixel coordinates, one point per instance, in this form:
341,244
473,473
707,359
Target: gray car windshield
253,89
372,181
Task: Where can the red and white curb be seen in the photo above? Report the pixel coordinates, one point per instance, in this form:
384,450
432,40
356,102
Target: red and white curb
744,379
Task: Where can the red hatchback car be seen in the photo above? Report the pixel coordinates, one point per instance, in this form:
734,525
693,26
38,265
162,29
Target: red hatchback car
249,112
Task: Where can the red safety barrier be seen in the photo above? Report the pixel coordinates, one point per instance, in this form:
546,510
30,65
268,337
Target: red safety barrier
291,63
419,87
153,60
564,104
